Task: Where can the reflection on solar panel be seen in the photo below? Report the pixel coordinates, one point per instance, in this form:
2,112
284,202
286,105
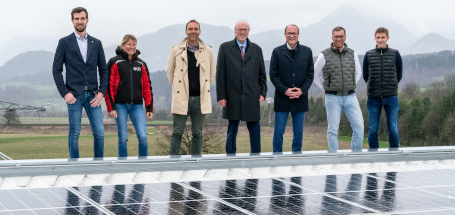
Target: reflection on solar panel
413,188
426,192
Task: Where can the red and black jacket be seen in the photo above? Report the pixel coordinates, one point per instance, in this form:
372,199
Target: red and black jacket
129,81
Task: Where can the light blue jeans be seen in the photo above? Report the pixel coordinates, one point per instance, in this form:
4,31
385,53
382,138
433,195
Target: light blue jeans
350,105
137,116
95,117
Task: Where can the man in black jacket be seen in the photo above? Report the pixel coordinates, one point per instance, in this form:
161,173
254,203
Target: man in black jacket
291,72
382,71
241,84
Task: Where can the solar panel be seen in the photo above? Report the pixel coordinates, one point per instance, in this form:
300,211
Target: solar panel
403,192
405,181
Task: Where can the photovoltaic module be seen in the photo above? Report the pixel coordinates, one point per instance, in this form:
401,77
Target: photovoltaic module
406,190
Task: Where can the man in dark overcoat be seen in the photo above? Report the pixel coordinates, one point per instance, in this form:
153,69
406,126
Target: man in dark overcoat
291,72
241,84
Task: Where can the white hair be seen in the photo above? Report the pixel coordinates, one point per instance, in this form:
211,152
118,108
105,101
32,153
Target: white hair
235,27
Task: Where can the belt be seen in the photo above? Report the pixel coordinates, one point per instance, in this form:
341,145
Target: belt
86,87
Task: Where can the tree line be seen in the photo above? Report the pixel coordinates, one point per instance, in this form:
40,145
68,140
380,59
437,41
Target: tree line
426,116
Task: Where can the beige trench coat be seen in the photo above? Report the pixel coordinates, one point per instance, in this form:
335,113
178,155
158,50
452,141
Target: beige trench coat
177,74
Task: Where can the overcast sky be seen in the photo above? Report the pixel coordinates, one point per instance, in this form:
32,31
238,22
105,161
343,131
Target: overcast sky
110,20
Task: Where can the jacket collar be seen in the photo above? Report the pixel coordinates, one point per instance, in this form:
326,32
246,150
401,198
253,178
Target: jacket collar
119,51
285,46
182,45
287,52
382,50
248,50
338,51
73,42
79,37
289,47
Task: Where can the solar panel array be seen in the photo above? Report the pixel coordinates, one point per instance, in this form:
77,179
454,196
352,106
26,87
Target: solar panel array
402,192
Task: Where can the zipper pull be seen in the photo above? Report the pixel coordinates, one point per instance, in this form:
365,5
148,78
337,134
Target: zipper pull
381,51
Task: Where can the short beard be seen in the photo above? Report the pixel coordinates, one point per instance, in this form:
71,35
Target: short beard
80,31
193,38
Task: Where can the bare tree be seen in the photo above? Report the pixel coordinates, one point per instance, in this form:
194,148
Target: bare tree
10,117
411,90
450,80
212,140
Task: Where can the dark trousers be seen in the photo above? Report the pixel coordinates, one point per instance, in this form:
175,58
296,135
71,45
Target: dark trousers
255,136
391,107
281,119
179,125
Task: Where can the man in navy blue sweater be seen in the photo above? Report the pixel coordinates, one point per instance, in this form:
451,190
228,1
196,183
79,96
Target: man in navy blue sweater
82,54
382,71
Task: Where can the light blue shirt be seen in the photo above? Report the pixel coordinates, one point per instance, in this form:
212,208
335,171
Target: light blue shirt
82,43
192,49
240,45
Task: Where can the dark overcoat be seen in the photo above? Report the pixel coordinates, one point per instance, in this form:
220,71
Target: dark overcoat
287,72
240,81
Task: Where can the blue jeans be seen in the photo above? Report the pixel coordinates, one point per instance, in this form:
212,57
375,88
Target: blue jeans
95,117
391,107
255,136
137,116
281,118
350,105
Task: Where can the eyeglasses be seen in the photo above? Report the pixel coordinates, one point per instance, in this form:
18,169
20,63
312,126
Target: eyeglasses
338,37
292,34
242,29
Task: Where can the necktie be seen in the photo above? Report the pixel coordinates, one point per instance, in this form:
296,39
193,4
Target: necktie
241,52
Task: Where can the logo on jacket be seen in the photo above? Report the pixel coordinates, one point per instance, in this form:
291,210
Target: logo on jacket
137,69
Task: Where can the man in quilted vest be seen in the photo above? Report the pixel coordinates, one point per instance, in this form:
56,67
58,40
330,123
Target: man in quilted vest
337,71
382,71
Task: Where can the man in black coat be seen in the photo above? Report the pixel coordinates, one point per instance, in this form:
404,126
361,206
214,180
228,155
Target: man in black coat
241,84
291,72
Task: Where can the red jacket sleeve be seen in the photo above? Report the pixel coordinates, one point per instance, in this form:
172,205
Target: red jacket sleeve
147,93
112,88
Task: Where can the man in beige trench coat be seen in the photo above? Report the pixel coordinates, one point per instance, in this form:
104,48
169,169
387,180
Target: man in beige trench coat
190,70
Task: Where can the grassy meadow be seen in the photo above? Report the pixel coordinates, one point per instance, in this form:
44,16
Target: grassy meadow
43,144
84,121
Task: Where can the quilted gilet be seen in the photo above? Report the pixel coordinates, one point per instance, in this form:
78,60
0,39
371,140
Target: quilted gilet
382,73
339,70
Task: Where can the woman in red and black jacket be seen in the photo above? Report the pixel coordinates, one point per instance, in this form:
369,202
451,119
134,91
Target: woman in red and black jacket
129,86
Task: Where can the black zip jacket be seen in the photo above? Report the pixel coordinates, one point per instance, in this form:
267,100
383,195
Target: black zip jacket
129,81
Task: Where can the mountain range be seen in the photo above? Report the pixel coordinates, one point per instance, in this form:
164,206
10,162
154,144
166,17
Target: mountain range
22,44
155,47
27,63
431,43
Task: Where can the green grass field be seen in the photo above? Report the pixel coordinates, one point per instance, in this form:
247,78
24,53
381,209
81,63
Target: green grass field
382,144
47,146
85,121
